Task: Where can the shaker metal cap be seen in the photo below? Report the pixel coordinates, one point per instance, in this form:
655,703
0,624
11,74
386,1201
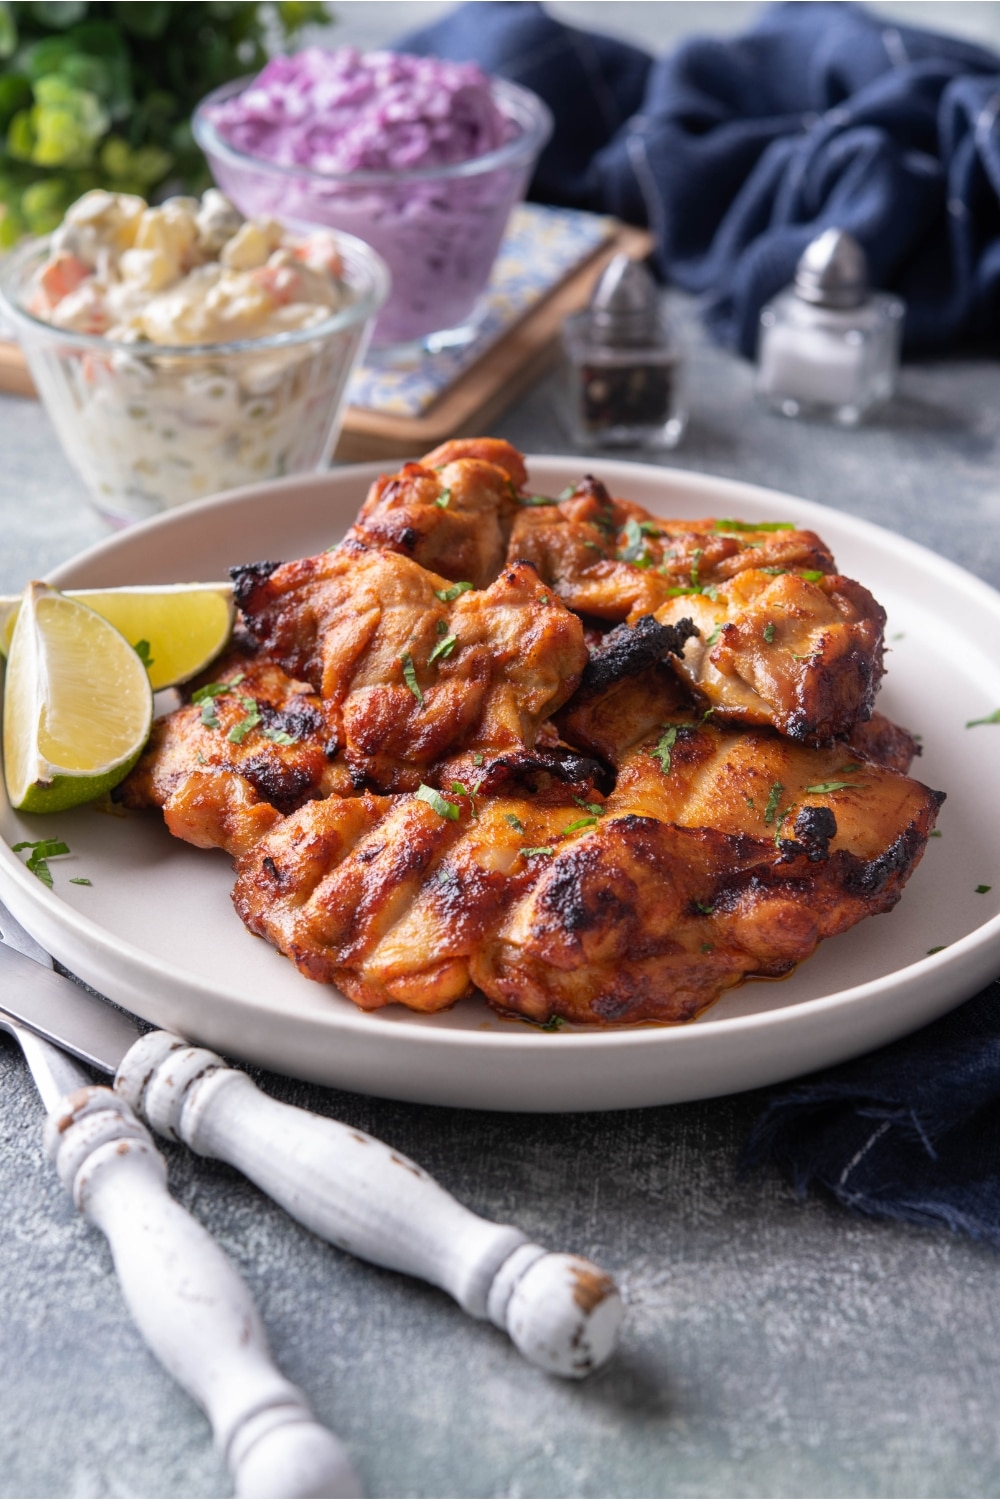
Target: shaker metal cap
833,271
625,307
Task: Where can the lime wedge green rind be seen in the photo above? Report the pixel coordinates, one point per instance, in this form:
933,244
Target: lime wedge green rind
64,792
78,704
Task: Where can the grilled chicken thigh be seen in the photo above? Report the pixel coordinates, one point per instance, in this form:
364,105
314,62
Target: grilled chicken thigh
413,668
642,906
782,638
452,512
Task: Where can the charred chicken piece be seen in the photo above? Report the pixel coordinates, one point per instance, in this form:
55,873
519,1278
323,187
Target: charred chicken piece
252,744
417,682
803,654
782,639
452,512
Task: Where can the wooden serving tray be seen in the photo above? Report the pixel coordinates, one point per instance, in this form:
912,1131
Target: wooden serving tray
504,372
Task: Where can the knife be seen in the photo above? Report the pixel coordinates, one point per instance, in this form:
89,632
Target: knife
561,1311
191,1305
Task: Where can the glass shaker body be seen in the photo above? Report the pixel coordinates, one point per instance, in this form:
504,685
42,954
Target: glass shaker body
621,395
837,363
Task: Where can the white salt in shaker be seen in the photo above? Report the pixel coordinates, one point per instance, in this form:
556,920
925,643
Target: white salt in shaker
829,347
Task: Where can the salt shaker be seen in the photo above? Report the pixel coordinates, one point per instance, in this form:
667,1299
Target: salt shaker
622,373
829,347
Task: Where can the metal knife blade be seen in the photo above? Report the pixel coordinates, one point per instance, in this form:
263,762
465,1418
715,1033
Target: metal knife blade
34,995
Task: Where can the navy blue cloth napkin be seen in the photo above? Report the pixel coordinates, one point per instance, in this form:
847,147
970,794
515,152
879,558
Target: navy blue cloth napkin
911,1131
737,152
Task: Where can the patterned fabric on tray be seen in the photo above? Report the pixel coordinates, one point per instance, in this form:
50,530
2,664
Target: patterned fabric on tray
541,248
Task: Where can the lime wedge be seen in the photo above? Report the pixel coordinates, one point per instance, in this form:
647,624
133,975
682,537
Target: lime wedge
77,705
184,625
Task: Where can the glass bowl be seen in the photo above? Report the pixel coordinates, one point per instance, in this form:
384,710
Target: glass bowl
149,426
437,228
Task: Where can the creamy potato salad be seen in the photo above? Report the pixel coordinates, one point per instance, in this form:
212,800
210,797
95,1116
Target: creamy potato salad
178,400
187,272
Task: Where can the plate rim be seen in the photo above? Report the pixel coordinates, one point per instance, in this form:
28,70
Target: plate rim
960,952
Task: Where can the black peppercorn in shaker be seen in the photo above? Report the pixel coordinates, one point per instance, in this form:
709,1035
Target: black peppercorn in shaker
622,373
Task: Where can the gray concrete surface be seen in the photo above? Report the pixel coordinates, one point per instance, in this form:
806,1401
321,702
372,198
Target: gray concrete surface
773,1348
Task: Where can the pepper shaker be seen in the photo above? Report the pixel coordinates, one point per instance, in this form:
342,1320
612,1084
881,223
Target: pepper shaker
828,346
622,373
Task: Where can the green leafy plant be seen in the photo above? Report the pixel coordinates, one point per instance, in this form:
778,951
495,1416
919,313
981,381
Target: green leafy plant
101,94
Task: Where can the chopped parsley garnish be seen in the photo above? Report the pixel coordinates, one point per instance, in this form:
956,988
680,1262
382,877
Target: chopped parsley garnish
279,736
705,909
769,632
470,792
774,797
675,593
539,849
540,499
823,787
554,1023
579,823
79,880
774,572
42,850
710,592
750,804
939,949
442,650
854,765
515,822
730,525
441,805
649,528
447,595
634,550
214,689
595,547
982,889
597,809
141,649
206,697
993,718
544,599
410,677
477,759
708,947
239,731
696,558
664,748
812,575
711,640
935,833
803,655
568,492
443,499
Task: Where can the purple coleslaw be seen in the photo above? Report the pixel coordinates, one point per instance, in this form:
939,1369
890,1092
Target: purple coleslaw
383,145
345,111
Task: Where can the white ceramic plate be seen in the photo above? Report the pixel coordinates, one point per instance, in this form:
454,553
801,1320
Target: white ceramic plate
157,933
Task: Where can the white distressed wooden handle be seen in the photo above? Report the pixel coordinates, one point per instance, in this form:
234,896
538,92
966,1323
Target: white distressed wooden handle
190,1303
561,1311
